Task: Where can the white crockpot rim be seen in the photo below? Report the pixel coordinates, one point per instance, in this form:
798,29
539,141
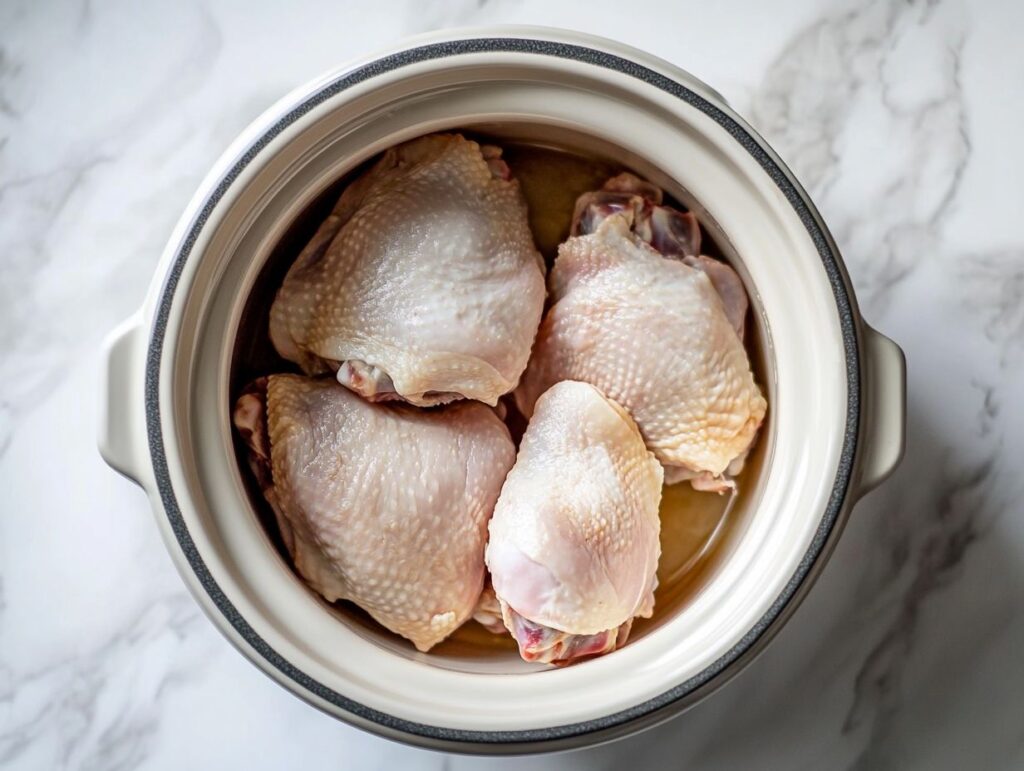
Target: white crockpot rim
782,605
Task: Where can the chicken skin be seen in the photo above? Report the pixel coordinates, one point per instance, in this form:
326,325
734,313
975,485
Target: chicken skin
656,328
423,285
573,546
384,505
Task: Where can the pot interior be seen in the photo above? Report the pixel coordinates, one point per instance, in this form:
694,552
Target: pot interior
554,164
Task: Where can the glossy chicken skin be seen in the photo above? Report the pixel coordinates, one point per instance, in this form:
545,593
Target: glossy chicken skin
573,546
661,335
383,505
423,285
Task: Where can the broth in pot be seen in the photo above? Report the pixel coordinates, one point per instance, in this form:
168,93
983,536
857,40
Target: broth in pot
696,527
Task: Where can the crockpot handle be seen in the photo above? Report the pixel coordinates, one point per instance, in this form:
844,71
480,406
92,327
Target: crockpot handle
122,432
885,410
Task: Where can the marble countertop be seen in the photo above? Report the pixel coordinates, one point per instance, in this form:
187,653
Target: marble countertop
901,119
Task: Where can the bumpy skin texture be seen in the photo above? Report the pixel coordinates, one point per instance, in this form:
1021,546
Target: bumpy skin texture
670,232
653,334
573,545
423,285
383,505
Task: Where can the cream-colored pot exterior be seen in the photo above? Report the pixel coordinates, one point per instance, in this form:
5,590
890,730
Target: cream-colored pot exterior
835,387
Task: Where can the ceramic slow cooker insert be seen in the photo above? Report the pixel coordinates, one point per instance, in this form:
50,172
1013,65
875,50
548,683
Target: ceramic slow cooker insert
835,387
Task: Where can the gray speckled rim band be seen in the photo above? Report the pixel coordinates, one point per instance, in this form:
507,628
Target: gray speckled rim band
840,487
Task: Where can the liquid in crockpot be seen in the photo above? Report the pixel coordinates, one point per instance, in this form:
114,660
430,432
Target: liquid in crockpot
695,526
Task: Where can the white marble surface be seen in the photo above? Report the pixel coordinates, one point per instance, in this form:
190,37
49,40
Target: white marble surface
903,120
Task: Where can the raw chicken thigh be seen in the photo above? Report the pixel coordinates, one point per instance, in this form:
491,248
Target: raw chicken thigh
573,544
423,285
383,505
637,312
